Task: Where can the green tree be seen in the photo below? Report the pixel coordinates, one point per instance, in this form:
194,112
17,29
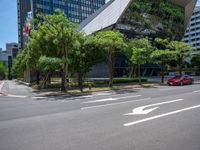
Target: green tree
182,50
140,52
54,36
19,64
49,65
84,56
111,42
162,55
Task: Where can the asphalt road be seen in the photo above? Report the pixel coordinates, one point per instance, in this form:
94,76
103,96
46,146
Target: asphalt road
157,118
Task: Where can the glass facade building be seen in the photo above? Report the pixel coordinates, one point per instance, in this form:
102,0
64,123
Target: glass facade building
192,34
75,10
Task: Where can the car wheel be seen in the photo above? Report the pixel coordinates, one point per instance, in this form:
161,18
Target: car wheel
192,82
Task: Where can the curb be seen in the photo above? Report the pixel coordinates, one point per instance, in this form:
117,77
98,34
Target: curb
1,86
22,82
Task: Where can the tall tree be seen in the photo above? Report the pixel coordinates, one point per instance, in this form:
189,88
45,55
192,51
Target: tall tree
162,55
54,36
140,52
84,56
19,64
182,50
111,42
49,65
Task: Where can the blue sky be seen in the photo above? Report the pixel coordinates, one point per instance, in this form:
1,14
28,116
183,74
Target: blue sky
8,22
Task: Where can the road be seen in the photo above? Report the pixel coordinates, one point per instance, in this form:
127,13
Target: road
156,118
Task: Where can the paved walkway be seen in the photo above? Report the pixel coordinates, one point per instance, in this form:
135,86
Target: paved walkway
14,88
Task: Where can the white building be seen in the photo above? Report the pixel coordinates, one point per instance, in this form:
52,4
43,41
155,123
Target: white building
193,31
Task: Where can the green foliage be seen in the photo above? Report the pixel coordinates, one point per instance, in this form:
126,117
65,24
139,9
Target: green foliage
129,80
158,18
85,54
52,36
182,50
140,50
3,70
19,63
111,42
50,63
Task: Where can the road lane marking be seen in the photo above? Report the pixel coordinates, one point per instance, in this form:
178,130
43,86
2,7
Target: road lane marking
169,89
160,116
98,106
111,99
141,111
39,97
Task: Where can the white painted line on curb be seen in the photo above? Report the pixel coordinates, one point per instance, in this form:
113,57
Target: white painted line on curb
1,86
16,96
98,106
111,99
160,116
141,111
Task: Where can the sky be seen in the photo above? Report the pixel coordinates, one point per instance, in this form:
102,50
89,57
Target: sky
8,22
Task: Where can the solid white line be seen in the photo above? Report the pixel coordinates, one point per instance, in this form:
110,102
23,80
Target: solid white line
111,99
97,106
160,116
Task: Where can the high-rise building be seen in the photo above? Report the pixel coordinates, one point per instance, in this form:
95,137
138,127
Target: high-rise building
192,34
138,18
75,10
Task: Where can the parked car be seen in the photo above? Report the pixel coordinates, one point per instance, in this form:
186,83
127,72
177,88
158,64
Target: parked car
180,80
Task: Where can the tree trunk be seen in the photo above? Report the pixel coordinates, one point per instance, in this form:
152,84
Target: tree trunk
37,77
139,75
80,80
65,71
131,71
162,72
180,66
110,65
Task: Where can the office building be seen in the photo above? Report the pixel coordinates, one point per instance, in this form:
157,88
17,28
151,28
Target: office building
136,18
192,34
75,10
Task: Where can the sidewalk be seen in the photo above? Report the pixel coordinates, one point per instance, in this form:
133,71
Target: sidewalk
17,89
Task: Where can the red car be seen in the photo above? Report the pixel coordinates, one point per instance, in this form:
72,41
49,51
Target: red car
180,80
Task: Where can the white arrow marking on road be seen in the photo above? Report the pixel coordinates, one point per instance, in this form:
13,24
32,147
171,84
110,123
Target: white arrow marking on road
111,99
160,116
141,111
196,91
